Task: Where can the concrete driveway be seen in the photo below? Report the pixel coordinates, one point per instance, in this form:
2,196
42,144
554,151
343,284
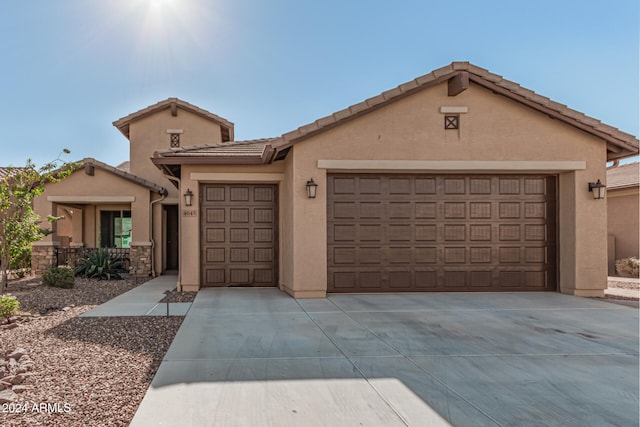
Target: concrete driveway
256,357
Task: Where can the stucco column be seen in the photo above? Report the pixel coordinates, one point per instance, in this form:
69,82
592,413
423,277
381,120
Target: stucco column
189,253
309,235
77,238
582,236
43,254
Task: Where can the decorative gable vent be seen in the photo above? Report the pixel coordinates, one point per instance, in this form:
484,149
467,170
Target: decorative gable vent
174,137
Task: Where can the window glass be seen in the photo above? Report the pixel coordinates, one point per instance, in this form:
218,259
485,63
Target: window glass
115,229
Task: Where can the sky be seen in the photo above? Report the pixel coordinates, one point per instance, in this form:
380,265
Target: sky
70,68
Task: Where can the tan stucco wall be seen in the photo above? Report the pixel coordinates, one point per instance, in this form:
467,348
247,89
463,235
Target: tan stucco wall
192,177
91,191
149,134
622,220
494,129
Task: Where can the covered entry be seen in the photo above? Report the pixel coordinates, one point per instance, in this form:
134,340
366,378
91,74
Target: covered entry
394,233
238,234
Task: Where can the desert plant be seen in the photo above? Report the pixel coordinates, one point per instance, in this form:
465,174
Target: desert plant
100,265
8,305
59,277
628,267
19,224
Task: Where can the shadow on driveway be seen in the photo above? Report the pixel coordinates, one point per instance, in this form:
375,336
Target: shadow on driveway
258,357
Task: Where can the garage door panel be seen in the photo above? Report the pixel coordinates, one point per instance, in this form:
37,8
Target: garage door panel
426,255
441,233
481,279
370,255
344,210
369,280
481,255
480,210
239,239
426,280
399,279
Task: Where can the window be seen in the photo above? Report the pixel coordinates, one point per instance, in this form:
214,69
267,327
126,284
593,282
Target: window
115,229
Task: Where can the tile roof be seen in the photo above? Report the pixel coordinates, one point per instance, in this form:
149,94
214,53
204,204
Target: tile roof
125,166
123,174
236,152
619,144
4,171
123,123
623,176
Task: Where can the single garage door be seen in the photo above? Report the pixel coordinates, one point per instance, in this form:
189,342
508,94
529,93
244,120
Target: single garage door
394,233
238,235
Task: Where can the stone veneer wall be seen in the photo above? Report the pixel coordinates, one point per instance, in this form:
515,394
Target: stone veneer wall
140,260
42,259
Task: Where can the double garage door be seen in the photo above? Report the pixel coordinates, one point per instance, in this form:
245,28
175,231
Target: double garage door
394,233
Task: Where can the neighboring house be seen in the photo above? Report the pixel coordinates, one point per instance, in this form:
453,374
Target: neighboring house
458,180
623,204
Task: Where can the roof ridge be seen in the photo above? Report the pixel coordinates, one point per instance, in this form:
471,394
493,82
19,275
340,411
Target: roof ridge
122,124
627,142
124,174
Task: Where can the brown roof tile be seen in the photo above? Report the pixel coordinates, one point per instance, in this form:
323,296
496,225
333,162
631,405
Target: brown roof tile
123,123
124,174
620,144
4,171
236,152
623,176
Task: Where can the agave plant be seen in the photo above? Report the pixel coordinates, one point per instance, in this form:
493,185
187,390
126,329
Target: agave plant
100,265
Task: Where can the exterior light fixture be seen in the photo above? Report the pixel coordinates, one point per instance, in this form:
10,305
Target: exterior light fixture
598,189
311,189
188,197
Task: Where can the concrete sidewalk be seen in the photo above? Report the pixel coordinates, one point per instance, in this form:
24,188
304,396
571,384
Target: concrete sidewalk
623,292
142,301
257,357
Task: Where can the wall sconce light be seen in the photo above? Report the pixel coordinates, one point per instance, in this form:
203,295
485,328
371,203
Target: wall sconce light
598,189
188,197
311,189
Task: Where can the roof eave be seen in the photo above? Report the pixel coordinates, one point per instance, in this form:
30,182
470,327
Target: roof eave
459,74
125,175
123,123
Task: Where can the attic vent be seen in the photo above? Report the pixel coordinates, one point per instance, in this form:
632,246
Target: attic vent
175,140
452,122
174,137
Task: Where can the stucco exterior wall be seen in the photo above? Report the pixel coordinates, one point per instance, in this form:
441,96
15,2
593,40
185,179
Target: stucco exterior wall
494,129
149,134
192,177
622,220
102,191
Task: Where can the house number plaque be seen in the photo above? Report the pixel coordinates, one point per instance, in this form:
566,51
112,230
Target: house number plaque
189,212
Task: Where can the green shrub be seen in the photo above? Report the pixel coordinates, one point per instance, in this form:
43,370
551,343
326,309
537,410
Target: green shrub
59,277
100,265
8,305
628,267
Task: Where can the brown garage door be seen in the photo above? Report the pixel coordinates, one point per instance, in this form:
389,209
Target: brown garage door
395,233
238,235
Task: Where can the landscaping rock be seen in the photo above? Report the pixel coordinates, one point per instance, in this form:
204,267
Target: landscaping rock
16,354
7,396
19,388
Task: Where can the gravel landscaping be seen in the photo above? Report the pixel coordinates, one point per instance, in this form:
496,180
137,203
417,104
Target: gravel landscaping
77,371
